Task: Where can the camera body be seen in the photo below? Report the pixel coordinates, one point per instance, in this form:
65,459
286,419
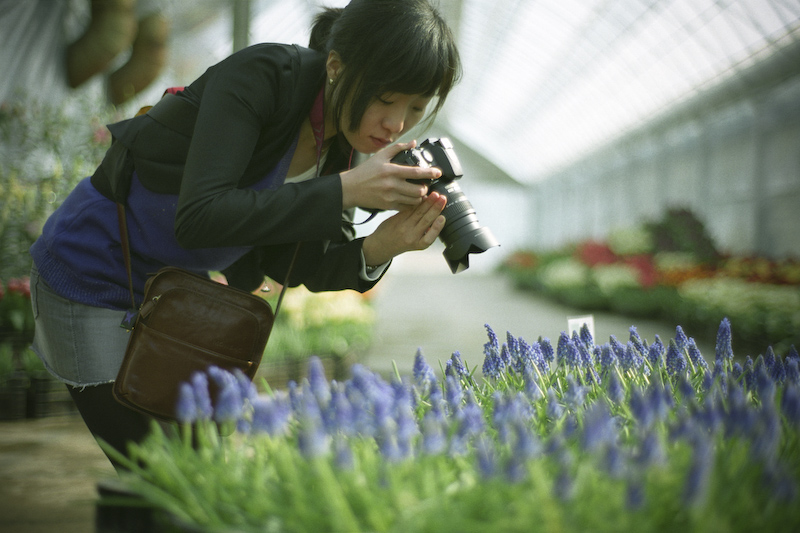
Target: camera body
462,233
438,153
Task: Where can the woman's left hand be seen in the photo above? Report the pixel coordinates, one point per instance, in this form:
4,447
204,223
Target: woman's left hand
411,229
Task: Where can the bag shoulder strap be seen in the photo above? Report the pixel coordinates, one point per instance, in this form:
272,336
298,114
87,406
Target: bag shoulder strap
126,248
126,255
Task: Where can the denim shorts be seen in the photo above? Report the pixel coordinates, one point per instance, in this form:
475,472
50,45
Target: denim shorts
78,344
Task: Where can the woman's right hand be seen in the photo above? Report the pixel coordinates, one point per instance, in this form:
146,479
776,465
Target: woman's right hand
378,183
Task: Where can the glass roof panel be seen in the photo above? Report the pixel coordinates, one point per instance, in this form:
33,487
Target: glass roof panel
547,80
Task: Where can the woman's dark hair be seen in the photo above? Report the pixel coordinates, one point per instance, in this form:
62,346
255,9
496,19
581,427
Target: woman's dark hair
386,46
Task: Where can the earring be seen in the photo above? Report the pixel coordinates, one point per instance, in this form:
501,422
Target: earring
330,81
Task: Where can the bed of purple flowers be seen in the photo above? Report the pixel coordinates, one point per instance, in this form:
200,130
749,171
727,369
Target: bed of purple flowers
567,436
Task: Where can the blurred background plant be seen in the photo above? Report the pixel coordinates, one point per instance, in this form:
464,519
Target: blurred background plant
44,151
671,269
334,326
16,317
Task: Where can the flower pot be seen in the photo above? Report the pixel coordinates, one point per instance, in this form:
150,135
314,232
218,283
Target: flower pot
14,397
48,397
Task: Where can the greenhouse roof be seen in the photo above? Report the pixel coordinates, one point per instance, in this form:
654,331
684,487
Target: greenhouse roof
546,81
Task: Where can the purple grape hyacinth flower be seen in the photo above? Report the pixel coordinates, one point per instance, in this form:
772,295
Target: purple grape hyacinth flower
455,366
271,414
676,362
764,384
708,381
790,404
339,414
584,356
202,396
492,362
680,338
628,361
608,359
778,371
749,374
566,352
531,355
769,358
486,457
655,354
532,389
723,349
505,357
699,475
312,439
246,387
514,359
434,439
186,410
660,400
547,349
470,417
423,373
719,375
617,347
454,393
652,450
615,391
766,433
586,337
599,429
637,341
615,461
641,408
229,403
792,368
343,454
554,409
320,387
695,356
686,389
387,441
515,469
575,394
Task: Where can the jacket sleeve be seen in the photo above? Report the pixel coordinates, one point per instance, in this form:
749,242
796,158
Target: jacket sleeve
240,97
320,265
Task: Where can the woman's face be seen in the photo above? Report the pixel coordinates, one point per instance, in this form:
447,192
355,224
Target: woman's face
385,120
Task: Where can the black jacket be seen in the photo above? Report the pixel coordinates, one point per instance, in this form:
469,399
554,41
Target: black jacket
224,132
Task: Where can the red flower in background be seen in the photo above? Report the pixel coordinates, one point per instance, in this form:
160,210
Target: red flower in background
592,253
645,268
20,286
522,260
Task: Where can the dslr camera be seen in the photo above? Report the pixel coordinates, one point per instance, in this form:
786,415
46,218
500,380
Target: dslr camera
462,233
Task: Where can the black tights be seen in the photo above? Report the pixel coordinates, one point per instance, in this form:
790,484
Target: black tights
109,420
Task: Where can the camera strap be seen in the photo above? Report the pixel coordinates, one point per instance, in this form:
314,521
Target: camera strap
372,214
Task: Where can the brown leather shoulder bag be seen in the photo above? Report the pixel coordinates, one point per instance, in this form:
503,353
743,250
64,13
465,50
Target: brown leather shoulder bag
185,324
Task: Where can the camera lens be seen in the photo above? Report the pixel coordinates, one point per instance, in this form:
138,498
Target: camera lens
462,233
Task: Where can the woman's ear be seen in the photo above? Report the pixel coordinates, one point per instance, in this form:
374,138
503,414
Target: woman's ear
333,65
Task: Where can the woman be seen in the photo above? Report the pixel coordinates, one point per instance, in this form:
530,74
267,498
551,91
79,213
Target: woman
235,170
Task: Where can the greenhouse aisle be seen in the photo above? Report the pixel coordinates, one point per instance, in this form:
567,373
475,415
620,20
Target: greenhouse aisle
49,467
421,305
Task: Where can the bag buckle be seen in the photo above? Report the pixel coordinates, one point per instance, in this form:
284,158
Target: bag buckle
129,320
